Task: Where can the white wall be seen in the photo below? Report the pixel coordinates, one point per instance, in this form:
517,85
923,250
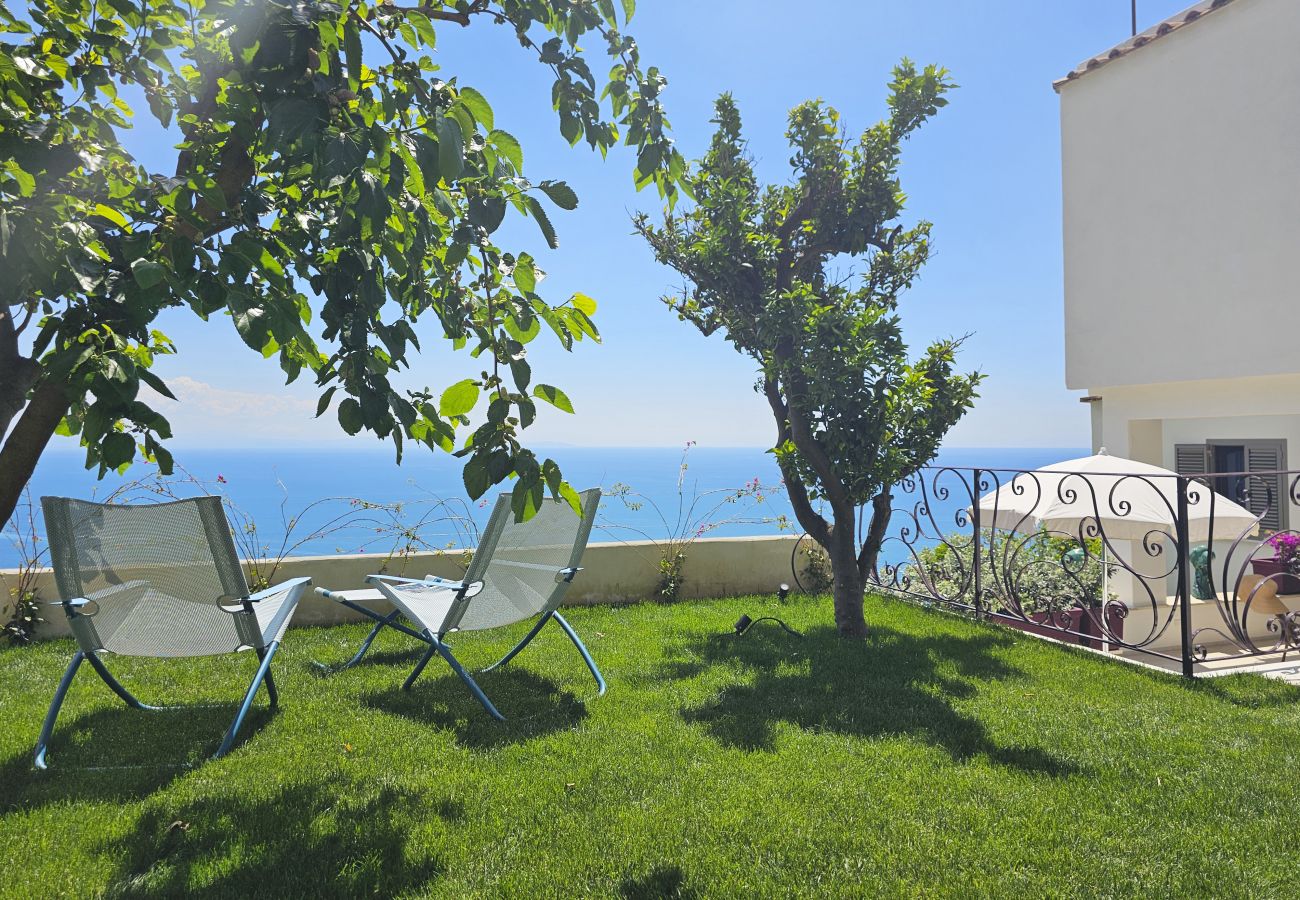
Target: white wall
1181,179
615,572
1145,421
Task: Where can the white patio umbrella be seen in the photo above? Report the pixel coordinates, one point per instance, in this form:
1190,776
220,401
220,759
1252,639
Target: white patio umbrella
1129,500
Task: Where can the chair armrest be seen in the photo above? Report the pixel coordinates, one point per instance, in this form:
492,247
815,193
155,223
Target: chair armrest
103,594
277,589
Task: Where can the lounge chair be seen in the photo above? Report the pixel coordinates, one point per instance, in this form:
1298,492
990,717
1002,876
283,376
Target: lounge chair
160,580
519,570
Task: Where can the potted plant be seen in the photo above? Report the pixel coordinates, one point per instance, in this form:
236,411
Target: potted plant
1284,566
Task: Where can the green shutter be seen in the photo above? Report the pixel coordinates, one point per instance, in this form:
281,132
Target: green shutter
1269,488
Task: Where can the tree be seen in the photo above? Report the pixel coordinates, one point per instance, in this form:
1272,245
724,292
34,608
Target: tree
329,192
854,415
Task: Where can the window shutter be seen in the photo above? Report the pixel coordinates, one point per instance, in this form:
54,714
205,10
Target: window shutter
1191,459
1268,490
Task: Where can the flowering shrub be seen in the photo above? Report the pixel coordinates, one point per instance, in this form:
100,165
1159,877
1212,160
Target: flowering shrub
697,514
19,600
1286,550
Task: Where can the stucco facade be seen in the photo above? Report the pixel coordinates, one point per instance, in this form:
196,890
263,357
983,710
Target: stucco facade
1181,192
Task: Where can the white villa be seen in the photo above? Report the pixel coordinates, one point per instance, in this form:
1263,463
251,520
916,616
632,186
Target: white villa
1181,181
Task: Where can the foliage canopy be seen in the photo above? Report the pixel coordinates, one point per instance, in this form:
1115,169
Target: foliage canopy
330,191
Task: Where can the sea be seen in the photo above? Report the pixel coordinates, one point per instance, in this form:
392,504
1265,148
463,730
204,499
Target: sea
295,502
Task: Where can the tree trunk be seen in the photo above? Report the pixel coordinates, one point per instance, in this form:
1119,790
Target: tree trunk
25,444
848,587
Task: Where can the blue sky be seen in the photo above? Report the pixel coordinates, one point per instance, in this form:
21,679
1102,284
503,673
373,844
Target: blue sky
986,172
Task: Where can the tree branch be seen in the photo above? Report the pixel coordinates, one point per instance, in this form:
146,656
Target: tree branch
880,514
816,526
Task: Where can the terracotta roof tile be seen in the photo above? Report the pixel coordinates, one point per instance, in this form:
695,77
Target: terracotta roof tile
1181,20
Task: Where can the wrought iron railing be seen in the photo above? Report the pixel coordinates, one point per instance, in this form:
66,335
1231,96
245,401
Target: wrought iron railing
1182,589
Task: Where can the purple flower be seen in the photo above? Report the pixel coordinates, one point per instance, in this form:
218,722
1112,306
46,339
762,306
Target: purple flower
1286,546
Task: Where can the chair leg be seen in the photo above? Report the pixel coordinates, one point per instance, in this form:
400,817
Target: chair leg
522,644
477,691
262,671
271,693
381,621
419,667
370,638
98,665
586,657
437,646
47,729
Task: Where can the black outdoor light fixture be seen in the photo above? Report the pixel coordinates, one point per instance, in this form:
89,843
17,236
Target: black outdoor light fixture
743,623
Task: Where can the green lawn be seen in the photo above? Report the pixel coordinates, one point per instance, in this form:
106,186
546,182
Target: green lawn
940,758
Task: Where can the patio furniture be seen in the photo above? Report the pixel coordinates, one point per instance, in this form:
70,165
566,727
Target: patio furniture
159,580
519,570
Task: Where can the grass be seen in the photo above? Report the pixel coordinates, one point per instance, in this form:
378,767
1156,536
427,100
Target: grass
942,757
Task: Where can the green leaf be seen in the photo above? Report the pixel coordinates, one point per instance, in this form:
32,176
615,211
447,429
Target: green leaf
107,212
553,396
508,146
527,496
451,149
560,193
551,472
544,223
324,402
352,52
522,372
525,274
147,272
290,119
423,27
571,496
629,7
343,155
478,106
117,450
584,303
155,382
350,415
26,181
459,399
476,478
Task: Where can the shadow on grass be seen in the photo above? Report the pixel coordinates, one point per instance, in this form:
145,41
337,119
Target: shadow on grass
893,684
660,883
121,754
533,706
299,841
405,659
